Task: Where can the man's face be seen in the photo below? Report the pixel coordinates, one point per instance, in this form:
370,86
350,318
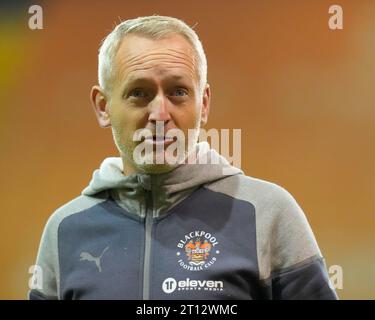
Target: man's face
154,80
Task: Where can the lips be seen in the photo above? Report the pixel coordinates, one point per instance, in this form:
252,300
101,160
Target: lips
159,139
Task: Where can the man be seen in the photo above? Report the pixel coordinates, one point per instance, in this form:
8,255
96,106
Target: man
172,229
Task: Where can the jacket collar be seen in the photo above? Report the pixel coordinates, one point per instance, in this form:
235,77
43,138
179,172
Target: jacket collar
137,192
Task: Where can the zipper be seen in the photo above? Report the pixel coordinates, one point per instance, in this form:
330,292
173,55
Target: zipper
147,253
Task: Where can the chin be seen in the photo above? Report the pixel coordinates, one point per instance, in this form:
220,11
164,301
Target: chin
156,168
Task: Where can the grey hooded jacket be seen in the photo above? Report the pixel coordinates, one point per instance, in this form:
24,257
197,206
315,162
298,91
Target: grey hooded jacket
201,231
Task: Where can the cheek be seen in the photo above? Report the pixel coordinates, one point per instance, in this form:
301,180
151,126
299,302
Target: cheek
187,118
124,117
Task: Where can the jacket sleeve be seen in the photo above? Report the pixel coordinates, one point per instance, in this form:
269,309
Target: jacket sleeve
308,281
44,282
298,269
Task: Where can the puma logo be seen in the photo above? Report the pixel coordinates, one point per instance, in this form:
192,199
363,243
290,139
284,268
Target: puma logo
88,257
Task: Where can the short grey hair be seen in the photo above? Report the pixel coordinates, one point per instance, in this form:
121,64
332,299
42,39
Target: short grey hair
155,27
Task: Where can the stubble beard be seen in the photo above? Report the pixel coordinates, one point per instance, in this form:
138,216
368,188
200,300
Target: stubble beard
126,150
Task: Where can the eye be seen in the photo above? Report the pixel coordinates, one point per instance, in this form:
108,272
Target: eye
138,93
180,92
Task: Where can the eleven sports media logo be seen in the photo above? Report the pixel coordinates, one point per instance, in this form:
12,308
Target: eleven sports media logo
170,285
197,252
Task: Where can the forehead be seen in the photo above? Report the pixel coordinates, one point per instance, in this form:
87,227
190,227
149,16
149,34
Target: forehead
142,57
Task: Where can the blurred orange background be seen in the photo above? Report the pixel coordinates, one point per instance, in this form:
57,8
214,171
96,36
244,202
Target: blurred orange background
301,93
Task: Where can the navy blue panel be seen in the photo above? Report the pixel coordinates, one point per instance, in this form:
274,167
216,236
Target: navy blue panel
308,282
229,225
83,237
36,295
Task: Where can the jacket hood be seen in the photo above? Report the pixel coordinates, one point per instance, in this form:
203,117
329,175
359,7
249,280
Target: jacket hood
166,189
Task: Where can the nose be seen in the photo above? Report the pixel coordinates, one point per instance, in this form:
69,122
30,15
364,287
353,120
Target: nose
159,110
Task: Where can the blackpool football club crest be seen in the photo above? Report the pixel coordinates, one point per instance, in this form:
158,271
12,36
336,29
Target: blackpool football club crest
198,250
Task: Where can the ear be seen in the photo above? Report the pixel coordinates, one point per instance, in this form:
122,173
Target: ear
101,106
206,100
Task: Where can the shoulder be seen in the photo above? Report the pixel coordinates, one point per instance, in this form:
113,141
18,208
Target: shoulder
284,236
76,205
266,196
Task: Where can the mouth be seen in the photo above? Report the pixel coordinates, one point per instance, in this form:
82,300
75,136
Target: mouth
159,139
